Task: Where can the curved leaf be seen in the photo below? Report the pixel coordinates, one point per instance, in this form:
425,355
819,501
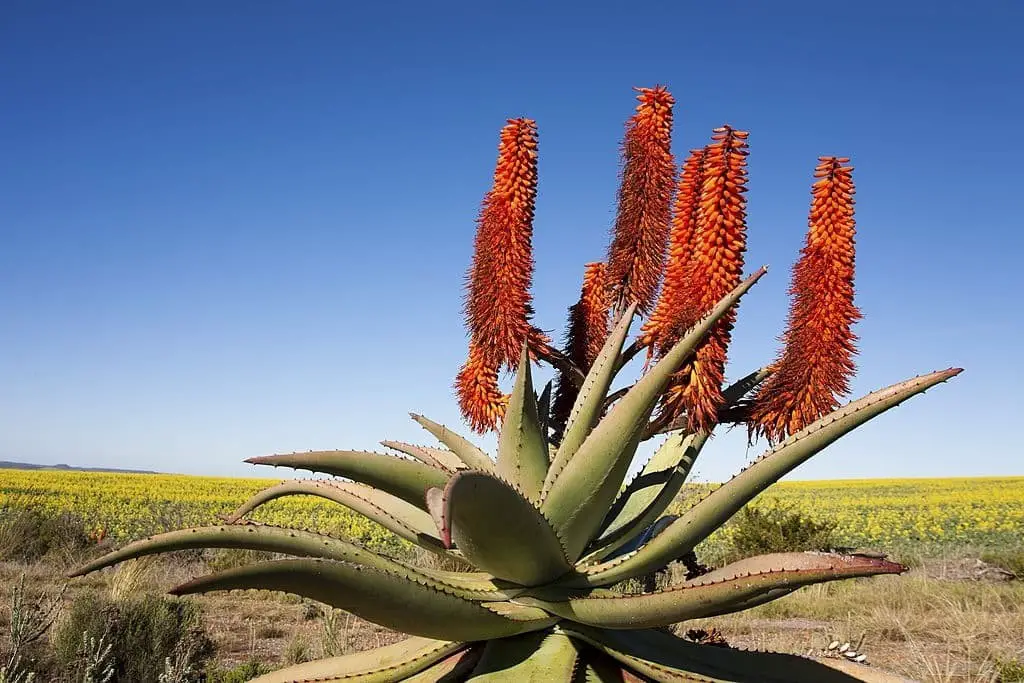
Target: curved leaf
381,665
455,669
440,458
498,530
589,404
470,586
650,494
537,657
402,478
384,598
472,456
668,659
394,514
522,446
582,493
722,503
694,600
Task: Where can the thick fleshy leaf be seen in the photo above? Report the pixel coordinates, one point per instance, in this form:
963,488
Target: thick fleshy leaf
582,493
522,446
537,657
403,478
470,454
453,669
650,494
668,659
589,404
394,514
471,586
722,503
441,458
381,665
544,413
597,667
390,600
694,600
498,530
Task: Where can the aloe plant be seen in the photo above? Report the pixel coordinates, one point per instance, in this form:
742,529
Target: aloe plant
548,527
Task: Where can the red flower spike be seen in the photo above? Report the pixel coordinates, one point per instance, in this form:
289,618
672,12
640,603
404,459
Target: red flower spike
662,328
498,302
636,255
586,334
480,398
715,269
816,365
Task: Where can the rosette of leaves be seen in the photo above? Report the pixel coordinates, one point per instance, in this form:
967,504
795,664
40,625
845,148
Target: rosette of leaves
546,531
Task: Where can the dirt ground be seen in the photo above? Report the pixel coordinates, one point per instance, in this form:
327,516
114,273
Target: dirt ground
944,621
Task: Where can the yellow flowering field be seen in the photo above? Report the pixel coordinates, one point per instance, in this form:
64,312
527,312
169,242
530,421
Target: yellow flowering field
881,513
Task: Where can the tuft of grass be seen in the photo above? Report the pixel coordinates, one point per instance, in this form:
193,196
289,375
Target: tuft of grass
1010,559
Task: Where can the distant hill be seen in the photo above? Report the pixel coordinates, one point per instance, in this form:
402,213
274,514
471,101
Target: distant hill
8,465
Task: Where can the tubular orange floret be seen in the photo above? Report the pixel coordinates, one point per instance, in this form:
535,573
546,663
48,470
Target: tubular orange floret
815,367
661,330
498,302
637,252
480,398
716,267
585,336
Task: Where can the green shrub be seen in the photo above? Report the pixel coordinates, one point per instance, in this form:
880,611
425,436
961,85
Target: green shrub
1010,671
142,634
29,535
777,529
239,674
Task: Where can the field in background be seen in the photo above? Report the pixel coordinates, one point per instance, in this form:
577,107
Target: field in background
946,620
924,515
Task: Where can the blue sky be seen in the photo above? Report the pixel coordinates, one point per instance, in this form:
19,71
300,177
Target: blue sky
237,228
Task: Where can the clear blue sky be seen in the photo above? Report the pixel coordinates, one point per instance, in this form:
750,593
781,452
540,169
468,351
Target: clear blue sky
237,228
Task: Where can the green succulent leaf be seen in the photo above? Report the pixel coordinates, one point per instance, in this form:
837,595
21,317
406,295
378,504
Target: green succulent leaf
456,667
471,455
468,585
668,659
498,530
722,503
589,404
652,492
402,478
385,598
381,665
441,458
537,657
522,445
582,493
396,515
695,600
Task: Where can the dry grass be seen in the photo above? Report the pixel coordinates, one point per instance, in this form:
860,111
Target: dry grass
923,626
926,628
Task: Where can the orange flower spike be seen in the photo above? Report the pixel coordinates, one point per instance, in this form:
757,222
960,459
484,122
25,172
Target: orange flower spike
498,301
716,268
662,330
480,398
636,255
586,334
816,365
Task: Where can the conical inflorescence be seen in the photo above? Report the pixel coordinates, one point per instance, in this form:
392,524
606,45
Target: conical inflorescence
716,266
586,334
816,364
636,255
498,302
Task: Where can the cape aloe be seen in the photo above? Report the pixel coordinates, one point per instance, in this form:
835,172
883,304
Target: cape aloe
546,529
